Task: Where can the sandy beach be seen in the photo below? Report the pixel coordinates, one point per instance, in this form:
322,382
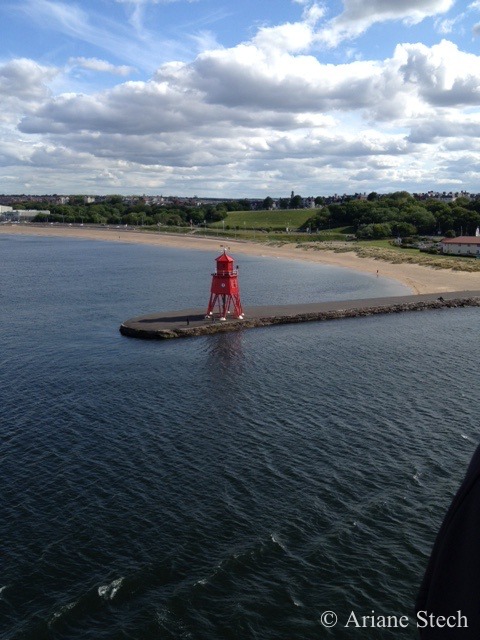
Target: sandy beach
418,278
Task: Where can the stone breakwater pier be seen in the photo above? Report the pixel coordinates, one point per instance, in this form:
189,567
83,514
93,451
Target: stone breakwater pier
192,322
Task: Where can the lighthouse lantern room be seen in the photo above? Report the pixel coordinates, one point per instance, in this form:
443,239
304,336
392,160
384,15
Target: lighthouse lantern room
224,292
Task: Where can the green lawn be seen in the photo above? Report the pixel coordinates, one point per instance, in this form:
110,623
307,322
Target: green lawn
275,220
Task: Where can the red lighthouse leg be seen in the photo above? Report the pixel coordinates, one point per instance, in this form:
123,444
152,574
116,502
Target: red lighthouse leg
237,306
211,304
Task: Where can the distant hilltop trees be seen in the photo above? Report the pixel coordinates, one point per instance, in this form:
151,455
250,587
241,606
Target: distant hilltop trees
398,214
133,211
401,215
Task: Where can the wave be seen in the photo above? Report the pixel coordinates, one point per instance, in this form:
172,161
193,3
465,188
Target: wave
109,591
275,538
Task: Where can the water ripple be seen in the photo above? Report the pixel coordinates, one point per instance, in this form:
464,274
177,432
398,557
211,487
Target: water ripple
232,487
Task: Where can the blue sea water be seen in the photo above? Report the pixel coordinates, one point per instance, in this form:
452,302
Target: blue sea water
225,487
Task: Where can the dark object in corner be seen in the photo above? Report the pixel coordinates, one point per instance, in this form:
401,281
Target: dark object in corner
452,579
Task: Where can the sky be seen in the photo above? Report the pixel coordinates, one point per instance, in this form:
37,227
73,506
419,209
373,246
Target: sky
249,98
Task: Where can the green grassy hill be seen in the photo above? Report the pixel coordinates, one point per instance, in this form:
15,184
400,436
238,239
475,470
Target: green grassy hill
275,220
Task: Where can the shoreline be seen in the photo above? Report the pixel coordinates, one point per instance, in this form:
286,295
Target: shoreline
418,278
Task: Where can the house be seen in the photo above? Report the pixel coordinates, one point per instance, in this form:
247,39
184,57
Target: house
461,246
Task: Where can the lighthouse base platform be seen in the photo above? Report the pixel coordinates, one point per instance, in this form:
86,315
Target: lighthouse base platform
192,322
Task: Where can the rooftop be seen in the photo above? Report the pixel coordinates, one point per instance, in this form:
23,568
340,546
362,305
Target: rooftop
462,240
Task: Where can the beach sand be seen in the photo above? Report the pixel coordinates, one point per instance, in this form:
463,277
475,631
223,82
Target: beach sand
418,278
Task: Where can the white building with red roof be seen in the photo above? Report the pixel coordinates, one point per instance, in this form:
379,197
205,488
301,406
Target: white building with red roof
461,246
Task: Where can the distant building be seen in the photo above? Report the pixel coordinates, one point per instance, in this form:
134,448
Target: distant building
461,246
309,203
27,215
23,215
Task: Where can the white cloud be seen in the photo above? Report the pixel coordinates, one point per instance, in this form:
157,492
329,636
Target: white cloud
291,37
312,11
250,108
442,75
447,26
221,109
247,75
25,79
204,41
448,128
94,64
457,23
359,15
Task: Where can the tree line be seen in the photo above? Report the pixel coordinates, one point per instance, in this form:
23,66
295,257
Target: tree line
114,210
399,215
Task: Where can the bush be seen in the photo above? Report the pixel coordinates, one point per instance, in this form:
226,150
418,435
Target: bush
215,215
403,229
375,231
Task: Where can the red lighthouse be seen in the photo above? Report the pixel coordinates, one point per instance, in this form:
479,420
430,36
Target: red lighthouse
224,292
